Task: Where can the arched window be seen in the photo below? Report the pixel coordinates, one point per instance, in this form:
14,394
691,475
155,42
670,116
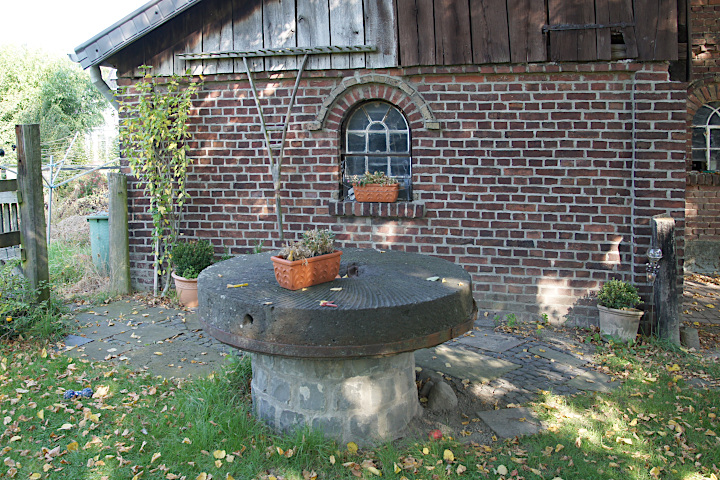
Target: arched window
376,138
706,138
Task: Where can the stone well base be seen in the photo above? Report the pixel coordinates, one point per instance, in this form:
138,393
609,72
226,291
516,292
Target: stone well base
364,400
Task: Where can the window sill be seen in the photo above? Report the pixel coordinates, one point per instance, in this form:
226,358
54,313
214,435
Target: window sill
380,210
702,178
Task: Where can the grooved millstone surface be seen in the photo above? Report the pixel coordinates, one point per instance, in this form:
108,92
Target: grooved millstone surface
387,308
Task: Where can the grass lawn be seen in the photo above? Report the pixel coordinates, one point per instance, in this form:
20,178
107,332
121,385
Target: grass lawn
137,426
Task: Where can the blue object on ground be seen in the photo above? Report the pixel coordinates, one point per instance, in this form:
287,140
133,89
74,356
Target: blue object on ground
69,394
86,392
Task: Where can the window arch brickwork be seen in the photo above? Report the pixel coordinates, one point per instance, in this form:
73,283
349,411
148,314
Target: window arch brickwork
700,93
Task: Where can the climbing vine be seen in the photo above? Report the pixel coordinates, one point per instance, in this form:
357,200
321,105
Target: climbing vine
153,134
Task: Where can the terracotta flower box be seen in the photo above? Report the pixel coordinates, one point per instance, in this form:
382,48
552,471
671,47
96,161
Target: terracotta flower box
298,274
376,193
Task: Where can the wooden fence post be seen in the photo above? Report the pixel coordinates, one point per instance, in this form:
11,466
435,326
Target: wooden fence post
119,237
665,289
32,209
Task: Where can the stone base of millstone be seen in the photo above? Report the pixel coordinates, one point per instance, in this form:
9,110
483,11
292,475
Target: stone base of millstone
363,400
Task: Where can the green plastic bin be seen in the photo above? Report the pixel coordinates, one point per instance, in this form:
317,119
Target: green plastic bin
100,240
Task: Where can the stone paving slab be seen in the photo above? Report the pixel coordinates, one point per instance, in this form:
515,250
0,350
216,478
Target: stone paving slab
461,363
76,340
511,422
555,356
97,351
491,341
177,359
593,381
148,334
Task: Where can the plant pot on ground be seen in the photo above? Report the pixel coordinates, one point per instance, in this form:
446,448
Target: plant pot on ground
616,305
311,261
189,259
376,187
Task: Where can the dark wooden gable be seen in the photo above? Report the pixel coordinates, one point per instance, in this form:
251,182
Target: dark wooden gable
520,31
251,25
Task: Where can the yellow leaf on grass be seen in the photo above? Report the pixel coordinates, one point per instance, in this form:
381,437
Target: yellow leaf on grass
460,469
47,467
229,477
187,440
448,456
710,433
673,368
426,451
218,463
101,391
202,476
43,354
34,476
627,441
559,447
352,447
155,456
501,470
332,459
219,454
73,446
655,471
66,426
396,469
710,305
41,414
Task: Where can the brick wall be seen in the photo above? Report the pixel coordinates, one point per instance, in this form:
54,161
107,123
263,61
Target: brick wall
529,182
705,32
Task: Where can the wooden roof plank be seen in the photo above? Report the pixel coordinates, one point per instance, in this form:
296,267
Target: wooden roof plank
490,37
453,42
407,26
525,21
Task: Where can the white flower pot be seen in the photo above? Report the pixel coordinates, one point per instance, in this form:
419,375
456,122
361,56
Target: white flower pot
622,324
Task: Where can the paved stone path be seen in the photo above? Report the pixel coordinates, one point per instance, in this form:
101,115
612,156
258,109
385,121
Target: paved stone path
505,369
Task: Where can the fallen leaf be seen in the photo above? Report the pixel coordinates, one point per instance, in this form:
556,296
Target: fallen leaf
155,456
448,456
219,454
73,447
187,440
66,426
352,447
501,470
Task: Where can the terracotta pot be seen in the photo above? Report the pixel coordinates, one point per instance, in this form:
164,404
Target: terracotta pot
622,324
186,290
376,193
305,273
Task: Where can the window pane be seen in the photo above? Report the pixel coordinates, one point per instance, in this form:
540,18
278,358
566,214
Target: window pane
698,155
376,164
399,166
398,142
698,138
377,110
702,115
377,143
395,120
358,121
377,127
715,119
354,166
714,160
355,142
714,138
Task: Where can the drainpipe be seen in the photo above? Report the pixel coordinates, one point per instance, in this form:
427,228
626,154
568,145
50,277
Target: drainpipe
103,87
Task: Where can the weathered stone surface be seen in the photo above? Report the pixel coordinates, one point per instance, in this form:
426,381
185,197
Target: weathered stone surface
556,356
374,403
689,337
490,341
442,398
511,422
388,307
594,382
462,363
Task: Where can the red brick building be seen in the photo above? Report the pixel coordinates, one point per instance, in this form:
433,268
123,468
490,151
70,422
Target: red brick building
534,142
703,182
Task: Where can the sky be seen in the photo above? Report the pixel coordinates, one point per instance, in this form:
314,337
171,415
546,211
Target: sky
58,26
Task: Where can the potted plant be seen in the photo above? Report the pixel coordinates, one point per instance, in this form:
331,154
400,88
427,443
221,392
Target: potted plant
189,259
618,316
376,187
311,261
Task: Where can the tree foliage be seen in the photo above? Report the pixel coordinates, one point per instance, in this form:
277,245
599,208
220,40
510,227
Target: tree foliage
38,88
153,129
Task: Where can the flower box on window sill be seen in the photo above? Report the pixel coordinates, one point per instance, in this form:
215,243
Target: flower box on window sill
376,193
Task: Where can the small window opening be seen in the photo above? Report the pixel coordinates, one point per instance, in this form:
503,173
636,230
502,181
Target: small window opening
706,138
376,138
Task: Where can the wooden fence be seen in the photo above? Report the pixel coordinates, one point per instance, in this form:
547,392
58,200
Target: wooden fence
9,220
